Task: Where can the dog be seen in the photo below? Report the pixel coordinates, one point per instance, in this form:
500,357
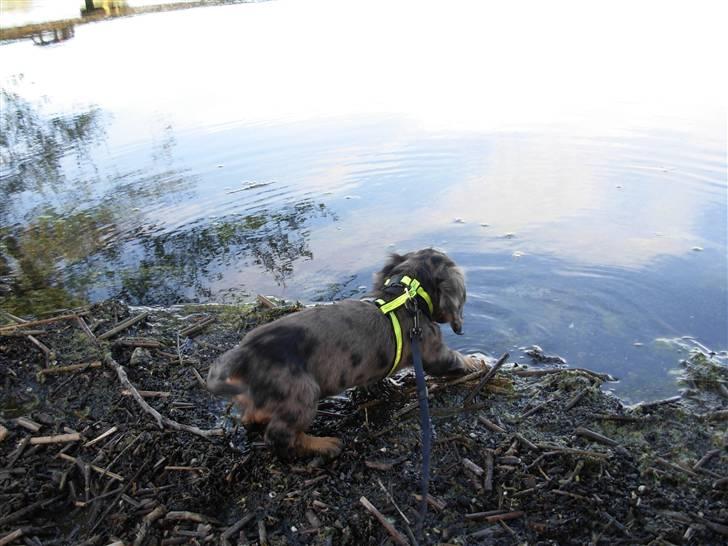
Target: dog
280,370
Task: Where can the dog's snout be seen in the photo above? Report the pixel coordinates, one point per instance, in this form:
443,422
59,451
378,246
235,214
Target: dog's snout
457,327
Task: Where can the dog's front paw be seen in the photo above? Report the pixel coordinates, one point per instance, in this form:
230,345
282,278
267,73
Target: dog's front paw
327,446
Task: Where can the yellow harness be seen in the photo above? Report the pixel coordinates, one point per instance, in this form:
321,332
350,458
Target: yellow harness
412,289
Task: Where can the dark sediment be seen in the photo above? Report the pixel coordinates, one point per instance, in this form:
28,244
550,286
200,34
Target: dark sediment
542,458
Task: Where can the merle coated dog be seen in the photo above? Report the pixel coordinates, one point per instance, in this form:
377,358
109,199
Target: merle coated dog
281,369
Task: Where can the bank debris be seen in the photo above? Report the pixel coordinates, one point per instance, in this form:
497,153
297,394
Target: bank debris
107,435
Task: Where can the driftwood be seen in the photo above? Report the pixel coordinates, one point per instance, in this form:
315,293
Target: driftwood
159,418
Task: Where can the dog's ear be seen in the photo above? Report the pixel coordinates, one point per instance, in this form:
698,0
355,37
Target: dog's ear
394,261
451,299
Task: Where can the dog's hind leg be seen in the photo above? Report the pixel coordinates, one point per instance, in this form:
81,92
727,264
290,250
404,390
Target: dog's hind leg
292,417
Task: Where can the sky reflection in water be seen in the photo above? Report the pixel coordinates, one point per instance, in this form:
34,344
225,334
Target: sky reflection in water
286,147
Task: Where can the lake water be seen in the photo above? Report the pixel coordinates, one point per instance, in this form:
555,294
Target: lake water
572,160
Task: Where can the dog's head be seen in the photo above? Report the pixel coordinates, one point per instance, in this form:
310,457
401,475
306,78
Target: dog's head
441,278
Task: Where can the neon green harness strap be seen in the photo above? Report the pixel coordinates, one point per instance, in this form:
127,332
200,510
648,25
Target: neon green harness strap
412,290
397,335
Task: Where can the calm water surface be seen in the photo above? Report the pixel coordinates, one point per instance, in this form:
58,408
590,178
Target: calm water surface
572,161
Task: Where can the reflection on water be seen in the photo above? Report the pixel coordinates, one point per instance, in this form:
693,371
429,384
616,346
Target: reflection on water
590,218
52,254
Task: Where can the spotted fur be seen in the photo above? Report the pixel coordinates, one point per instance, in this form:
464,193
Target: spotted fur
281,369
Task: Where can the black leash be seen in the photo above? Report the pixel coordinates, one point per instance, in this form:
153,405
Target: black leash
425,422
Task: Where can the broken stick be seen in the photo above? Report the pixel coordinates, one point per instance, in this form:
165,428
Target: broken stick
397,537
158,417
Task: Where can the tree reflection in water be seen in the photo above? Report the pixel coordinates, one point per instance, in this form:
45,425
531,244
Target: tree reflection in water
67,239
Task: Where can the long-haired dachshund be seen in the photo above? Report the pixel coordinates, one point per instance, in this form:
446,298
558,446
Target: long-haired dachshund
281,369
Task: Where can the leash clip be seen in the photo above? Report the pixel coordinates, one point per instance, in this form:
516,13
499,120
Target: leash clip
416,331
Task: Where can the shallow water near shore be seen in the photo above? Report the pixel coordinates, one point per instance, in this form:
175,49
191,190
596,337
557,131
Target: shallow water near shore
283,148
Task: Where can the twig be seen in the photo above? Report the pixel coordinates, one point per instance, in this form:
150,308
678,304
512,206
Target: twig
123,490
435,388
488,481
198,377
571,451
194,328
481,515
615,417
70,368
649,405
190,516
264,301
27,424
526,442
147,523
534,409
160,420
549,371
147,394
237,526
145,342
101,437
82,504
47,353
397,537
262,533
487,377
103,472
472,467
720,415
3,433
55,439
22,512
503,516
29,324
490,425
123,325
676,467
574,401
394,503
86,329
437,504
595,436
13,536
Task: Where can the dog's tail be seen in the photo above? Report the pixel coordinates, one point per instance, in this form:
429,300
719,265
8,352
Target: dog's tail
219,379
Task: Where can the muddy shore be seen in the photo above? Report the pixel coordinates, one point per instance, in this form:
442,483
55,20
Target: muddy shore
538,456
